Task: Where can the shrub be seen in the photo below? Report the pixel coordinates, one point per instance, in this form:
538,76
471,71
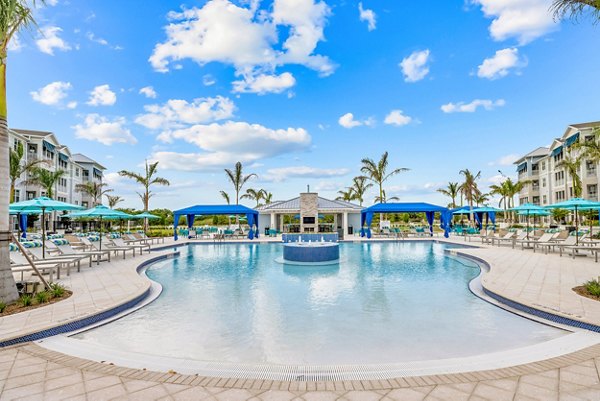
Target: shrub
26,300
57,290
42,297
2,306
593,287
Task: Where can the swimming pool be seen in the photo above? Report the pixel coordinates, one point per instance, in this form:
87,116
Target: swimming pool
384,302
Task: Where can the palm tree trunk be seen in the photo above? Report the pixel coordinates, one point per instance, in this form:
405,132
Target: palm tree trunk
8,287
12,191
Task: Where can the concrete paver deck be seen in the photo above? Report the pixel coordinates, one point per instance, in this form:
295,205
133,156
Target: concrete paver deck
29,371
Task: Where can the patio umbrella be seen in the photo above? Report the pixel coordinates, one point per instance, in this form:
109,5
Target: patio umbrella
22,219
42,204
144,215
534,214
99,211
479,211
527,209
575,204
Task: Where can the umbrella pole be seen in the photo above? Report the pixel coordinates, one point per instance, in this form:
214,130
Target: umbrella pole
576,226
43,233
100,232
527,225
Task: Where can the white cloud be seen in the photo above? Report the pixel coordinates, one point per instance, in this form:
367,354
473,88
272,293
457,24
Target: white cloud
414,67
463,107
71,105
496,179
227,143
93,38
368,16
246,37
264,83
52,94
102,96
52,2
507,160
177,113
281,174
50,40
348,121
397,118
100,129
499,65
208,80
525,20
149,92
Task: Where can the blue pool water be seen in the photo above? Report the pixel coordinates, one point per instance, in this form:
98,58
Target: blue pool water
384,302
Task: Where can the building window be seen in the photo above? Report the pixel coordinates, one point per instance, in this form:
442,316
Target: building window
559,176
17,195
543,166
592,192
534,167
30,195
84,204
558,157
536,200
77,172
560,196
543,183
544,199
535,185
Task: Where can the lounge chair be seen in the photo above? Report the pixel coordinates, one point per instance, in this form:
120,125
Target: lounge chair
20,264
192,234
511,238
37,253
571,240
65,248
530,243
120,243
96,246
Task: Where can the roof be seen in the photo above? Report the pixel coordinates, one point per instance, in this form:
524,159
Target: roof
214,209
413,207
322,204
29,132
591,124
539,152
80,158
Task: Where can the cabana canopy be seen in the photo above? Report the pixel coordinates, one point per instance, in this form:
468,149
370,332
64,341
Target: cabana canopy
366,215
208,210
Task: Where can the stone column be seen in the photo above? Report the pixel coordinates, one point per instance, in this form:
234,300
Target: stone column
345,223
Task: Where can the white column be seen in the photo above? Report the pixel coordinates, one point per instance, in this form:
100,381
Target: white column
273,221
345,224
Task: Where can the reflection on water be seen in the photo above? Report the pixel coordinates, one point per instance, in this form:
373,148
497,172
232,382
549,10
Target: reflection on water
384,302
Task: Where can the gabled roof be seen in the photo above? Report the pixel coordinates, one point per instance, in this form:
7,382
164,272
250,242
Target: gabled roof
322,204
80,158
539,152
29,132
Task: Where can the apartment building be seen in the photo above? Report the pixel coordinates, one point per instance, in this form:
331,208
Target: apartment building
42,145
548,182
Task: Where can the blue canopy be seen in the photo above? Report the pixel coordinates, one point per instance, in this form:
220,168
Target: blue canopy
191,212
366,215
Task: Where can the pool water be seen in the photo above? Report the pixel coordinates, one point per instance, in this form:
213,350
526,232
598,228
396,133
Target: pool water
384,302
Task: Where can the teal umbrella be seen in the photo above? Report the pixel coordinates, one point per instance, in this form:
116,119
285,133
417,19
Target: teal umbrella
575,204
485,209
144,215
100,212
535,213
527,209
42,204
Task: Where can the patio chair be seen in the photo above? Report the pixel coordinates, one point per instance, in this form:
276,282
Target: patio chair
96,246
530,243
65,248
511,238
571,240
37,251
120,243
20,264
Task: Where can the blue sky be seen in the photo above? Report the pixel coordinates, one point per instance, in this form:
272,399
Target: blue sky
301,90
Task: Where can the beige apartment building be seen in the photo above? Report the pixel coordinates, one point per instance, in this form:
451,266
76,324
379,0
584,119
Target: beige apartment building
549,183
42,145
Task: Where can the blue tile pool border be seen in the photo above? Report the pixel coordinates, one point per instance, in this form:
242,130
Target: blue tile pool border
89,320
528,309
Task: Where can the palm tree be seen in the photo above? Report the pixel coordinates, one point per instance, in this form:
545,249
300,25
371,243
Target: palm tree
469,187
481,199
377,172
268,197
146,180
575,8
94,190
225,196
346,196
17,168
571,166
113,200
384,198
15,15
504,190
451,191
255,195
45,178
359,188
238,179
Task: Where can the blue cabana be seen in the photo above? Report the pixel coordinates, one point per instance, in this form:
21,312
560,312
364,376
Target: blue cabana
206,210
366,215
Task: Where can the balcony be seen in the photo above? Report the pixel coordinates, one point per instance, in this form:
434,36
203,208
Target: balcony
591,172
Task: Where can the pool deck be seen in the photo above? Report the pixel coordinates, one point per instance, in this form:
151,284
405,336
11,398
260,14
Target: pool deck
29,371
